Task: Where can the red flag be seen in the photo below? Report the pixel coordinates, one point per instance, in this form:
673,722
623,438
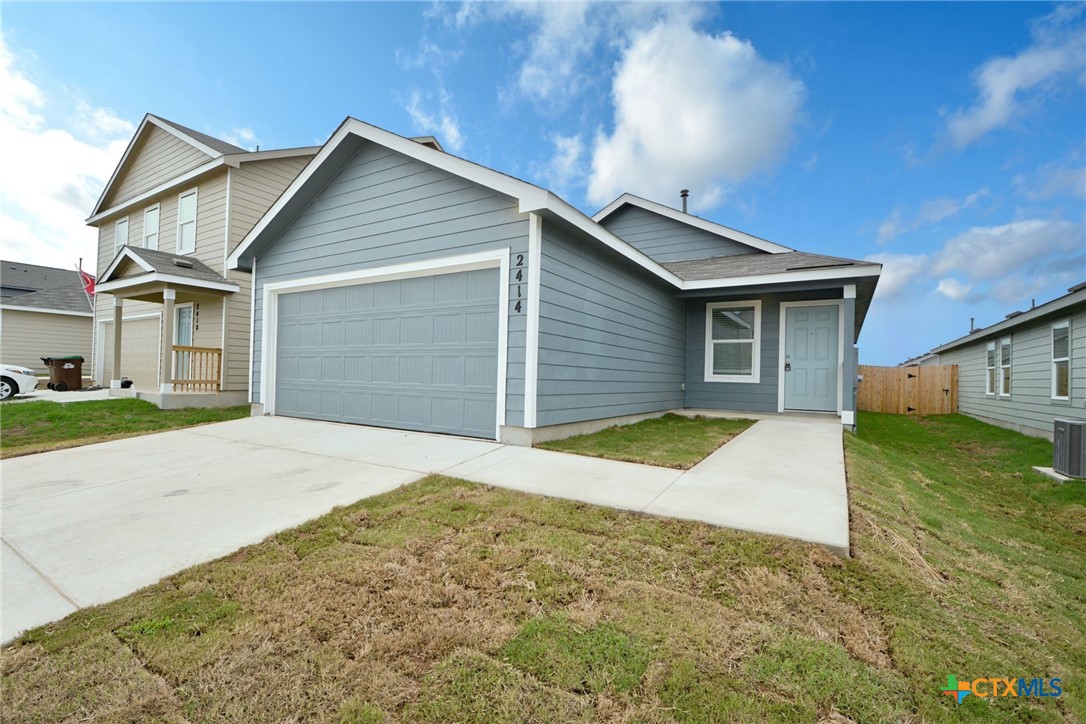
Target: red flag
88,283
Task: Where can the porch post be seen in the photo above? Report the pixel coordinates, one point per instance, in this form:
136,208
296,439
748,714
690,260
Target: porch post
165,373
118,320
849,360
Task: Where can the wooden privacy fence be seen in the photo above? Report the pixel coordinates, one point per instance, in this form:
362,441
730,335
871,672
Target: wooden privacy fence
923,390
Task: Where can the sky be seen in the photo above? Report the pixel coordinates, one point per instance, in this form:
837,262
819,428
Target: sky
945,140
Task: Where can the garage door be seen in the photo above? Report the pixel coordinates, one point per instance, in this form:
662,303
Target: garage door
416,354
139,352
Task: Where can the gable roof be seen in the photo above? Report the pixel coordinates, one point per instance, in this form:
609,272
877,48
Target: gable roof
696,221
69,299
530,198
25,278
1075,297
163,266
213,147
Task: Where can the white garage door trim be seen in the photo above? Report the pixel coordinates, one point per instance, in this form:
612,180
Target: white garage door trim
100,349
498,258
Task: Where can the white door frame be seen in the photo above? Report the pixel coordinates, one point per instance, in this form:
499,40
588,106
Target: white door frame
785,306
100,352
177,330
496,258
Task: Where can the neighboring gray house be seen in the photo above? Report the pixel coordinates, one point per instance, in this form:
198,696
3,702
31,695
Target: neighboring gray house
397,285
1028,370
925,360
43,312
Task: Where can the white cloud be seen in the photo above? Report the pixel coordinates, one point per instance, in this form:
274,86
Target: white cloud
54,175
441,123
930,212
242,137
958,291
694,111
1056,179
985,253
1006,84
899,272
566,167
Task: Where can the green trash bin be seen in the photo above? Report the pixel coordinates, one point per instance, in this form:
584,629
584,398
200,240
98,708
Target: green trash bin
65,373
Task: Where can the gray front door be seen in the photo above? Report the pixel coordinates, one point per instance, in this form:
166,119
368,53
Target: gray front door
810,357
417,354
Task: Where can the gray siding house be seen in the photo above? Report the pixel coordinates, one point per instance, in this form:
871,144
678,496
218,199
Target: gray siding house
1028,370
398,285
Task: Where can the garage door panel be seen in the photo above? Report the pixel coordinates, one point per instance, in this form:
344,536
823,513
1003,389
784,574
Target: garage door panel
139,352
418,354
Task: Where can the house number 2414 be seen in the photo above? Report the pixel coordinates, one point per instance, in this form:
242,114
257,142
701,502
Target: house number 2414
520,278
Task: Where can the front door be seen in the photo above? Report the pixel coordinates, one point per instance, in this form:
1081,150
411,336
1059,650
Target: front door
810,358
182,337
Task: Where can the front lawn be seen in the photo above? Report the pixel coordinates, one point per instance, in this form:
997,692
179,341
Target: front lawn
446,601
32,427
671,441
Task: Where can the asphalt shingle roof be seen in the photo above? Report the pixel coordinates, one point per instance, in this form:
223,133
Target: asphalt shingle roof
23,278
745,265
165,263
65,299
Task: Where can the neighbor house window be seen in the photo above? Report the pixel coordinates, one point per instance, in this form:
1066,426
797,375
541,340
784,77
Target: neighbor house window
120,234
990,377
186,223
732,341
1061,355
150,228
1005,366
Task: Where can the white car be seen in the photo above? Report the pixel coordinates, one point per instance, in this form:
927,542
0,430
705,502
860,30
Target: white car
15,380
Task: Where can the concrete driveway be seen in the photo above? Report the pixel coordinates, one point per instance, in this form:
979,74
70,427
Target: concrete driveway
89,525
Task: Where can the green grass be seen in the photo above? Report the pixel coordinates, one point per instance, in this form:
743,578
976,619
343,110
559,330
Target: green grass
31,427
445,601
671,441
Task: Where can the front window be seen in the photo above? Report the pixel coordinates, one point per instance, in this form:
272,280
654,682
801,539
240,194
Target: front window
150,228
1005,367
732,341
186,223
990,369
1061,356
120,234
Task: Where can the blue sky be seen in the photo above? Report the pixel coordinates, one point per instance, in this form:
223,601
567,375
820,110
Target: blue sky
946,140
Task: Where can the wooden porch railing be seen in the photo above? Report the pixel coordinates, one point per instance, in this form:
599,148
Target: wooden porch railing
197,369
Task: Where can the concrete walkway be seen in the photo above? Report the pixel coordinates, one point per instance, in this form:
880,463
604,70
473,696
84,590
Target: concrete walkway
89,525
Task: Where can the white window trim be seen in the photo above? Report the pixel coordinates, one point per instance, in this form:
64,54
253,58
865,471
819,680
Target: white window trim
756,351
158,227
194,192
993,347
1065,324
495,258
127,234
1004,365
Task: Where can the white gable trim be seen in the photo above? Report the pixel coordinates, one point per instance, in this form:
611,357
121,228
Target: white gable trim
125,253
690,220
159,277
817,275
181,180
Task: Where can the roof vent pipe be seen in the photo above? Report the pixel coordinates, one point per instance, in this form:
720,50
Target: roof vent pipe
684,193
971,327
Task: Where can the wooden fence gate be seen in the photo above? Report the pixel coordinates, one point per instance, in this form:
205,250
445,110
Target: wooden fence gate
923,390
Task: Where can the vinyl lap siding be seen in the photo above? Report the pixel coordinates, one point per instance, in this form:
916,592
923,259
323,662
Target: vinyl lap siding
665,239
611,339
254,187
160,157
26,337
1030,407
383,208
236,366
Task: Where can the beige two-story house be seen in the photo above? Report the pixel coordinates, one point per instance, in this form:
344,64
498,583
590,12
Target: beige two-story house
169,316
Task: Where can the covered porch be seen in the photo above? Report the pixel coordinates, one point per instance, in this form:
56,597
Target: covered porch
175,357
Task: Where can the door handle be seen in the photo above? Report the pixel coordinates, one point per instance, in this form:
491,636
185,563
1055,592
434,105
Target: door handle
787,366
